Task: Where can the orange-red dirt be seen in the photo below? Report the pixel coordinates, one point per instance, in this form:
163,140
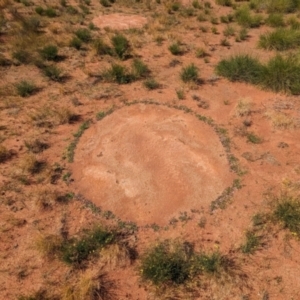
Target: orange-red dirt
148,163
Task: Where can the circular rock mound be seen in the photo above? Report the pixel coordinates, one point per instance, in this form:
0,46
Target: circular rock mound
148,163
119,21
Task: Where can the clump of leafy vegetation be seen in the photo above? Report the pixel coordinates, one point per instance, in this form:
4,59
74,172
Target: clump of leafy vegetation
76,250
190,73
279,74
53,72
25,88
49,52
287,213
275,20
176,263
240,68
246,19
84,35
76,43
140,69
280,39
252,243
119,74
102,48
151,84
176,49
121,46
282,74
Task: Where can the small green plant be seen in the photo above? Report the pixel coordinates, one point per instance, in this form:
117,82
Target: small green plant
229,31
75,251
101,47
76,43
253,241
224,2
71,148
121,46
180,94
118,73
106,3
240,68
201,53
50,12
25,88
214,30
225,42
190,73
23,56
49,52
246,19
175,49
39,10
243,34
84,35
282,74
253,138
151,84
140,69
281,39
275,20
287,213
53,73
166,263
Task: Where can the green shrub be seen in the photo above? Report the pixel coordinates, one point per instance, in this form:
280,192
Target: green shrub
23,56
246,19
102,48
140,69
282,74
282,6
175,49
253,138
25,88
224,2
121,46
49,52
39,10
287,212
281,39
105,3
253,241
151,84
84,35
163,264
190,73
118,73
53,72
76,43
275,20
242,68
71,10
75,251
50,12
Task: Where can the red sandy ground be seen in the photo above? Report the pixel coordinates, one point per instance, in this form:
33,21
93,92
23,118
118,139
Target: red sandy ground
158,149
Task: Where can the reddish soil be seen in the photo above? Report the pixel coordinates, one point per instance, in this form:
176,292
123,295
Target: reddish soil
119,21
148,163
144,163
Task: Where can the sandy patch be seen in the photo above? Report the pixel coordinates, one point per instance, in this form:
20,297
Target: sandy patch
149,163
119,21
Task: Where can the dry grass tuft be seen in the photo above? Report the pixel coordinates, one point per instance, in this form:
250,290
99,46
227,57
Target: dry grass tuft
243,107
91,286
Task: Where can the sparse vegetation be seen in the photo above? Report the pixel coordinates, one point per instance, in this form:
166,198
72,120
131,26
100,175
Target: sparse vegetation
287,213
190,73
253,241
121,46
281,39
25,88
